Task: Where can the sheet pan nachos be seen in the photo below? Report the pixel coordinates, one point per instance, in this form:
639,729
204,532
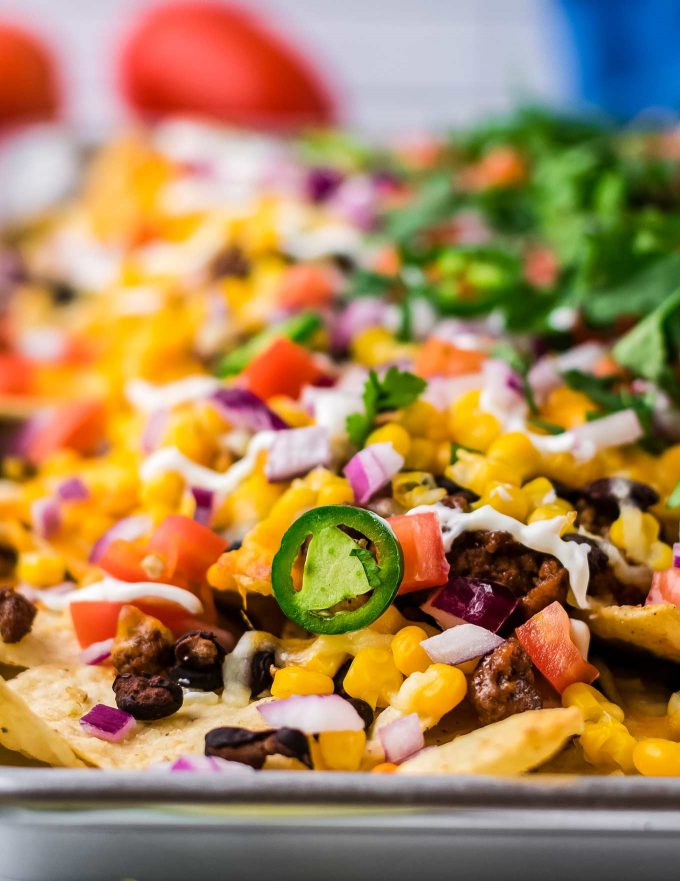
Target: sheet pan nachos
330,457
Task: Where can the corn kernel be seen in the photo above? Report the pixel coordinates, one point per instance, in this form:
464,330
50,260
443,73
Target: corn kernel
164,489
385,768
290,411
566,407
477,472
373,677
592,703
409,655
389,622
336,494
376,346
469,425
516,450
556,509
660,556
422,455
41,568
412,488
505,498
422,419
432,694
635,532
341,750
394,434
656,757
608,743
297,680
539,492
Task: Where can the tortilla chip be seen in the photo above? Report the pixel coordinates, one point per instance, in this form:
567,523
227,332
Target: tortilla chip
51,641
654,629
40,711
513,746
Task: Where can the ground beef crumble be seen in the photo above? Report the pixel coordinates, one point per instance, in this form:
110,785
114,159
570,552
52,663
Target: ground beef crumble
503,684
535,579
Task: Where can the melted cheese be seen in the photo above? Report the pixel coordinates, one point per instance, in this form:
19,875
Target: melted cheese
542,536
111,590
223,482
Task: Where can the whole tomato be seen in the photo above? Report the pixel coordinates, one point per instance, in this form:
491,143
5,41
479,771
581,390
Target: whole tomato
217,61
28,85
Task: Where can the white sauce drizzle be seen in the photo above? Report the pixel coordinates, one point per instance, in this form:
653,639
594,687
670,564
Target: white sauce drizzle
223,482
542,536
147,397
111,590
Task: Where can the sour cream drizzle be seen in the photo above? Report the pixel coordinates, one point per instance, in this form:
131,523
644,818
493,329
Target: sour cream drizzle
198,476
111,590
542,536
147,397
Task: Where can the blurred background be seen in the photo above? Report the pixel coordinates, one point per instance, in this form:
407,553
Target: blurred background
395,64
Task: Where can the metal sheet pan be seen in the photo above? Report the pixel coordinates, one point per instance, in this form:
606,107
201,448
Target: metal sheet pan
58,825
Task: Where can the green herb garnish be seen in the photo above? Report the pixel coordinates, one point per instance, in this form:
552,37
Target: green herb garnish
395,390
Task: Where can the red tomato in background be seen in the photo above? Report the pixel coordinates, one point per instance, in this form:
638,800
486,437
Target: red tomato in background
80,426
28,87
16,374
219,61
546,638
425,563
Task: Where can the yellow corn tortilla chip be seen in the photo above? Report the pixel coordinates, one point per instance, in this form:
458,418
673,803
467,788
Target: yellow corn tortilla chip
512,746
51,641
654,629
40,711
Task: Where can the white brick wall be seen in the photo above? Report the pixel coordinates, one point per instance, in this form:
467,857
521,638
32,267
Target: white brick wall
401,64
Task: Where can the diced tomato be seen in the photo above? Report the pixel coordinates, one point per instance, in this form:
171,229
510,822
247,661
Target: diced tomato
16,374
79,426
28,82
306,287
440,358
541,267
96,621
387,261
282,369
123,560
425,563
546,638
665,588
501,167
188,547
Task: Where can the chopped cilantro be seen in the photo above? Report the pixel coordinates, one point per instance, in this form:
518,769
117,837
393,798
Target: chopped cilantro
599,390
550,427
395,390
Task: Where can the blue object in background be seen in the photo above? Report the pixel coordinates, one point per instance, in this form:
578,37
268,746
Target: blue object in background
627,53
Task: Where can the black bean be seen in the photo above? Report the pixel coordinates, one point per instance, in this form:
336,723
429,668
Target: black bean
597,559
200,680
253,747
199,650
147,697
260,671
615,490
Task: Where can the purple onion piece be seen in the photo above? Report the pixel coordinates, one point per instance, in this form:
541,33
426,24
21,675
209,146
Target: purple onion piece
676,555
107,723
371,469
46,517
204,504
485,603
243,409
72,490
321,183
297,451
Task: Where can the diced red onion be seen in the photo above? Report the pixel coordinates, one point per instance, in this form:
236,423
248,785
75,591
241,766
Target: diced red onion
614,430
45,517
503,388
371,469
444,619
296,451
243,409
461,643
441,391
545,375
321,183
476,601
359,315
127,529
154,430
676,555
72,490
355,201
312,713
204,499
97,653
107,723
402,738
204,764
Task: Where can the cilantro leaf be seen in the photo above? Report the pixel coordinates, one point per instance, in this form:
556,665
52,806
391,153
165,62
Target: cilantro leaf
674,497
549,427
599,390
395,390
434,203
637,295
649,349
371,568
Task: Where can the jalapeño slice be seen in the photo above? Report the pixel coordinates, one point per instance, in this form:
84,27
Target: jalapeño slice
337,569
